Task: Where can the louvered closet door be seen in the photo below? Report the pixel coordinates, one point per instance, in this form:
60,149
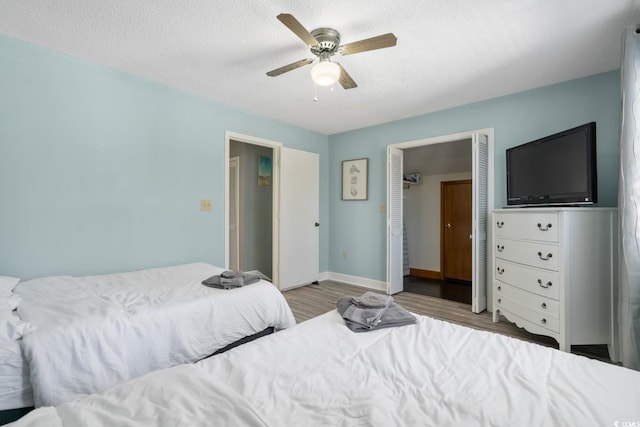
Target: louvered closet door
394,221
480,152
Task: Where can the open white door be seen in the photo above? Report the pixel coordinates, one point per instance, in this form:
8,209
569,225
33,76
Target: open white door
394,220
299,247
479,225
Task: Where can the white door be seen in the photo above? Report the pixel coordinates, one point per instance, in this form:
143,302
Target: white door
299,246
234,213
394,221
479,223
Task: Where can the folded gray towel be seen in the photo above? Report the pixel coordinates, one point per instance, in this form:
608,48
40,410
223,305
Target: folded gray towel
392,316
250,278
366,317
230,280
372,300
231,274
213,281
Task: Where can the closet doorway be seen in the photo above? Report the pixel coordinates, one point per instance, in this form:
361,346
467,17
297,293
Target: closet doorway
275,208
250,220
481,176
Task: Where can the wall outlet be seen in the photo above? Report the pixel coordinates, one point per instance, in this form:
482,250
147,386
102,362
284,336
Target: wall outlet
345,254
205,205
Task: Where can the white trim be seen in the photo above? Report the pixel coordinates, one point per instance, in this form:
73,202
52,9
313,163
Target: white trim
228,136
363,282
250,139
456,137
323,276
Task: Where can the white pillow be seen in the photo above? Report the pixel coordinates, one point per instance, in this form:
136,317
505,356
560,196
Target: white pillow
8,283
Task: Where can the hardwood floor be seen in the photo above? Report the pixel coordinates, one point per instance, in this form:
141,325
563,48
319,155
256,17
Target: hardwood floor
312,300
445,289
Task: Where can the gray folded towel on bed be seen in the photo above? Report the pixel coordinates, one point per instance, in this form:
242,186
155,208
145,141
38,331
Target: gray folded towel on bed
231,279
366,317
392,316
372,300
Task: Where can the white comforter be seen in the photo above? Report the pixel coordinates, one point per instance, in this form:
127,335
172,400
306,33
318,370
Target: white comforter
321,374
96,332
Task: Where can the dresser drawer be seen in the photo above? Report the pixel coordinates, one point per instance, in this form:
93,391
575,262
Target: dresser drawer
535,317
544,305
535,254
542,282
542,226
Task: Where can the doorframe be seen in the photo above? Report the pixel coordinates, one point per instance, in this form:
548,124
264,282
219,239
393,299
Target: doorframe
275,227
489,132
234,163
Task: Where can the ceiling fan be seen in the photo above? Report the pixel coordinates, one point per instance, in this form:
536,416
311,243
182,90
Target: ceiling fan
324,43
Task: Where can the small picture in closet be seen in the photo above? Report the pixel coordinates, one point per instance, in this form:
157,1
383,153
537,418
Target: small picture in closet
412,178
264,171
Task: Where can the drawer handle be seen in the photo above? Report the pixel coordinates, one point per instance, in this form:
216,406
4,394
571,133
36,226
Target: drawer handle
500,270
499,288
541,228
544,285
544,258
544,321
543,305
499,300
500,248
500,224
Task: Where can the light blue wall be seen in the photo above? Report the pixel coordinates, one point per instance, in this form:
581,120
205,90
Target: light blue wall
360,228
101,171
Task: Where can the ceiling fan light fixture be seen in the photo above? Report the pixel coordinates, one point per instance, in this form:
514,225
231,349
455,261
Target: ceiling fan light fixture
325,73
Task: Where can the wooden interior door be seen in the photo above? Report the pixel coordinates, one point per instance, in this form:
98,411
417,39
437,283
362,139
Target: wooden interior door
456,223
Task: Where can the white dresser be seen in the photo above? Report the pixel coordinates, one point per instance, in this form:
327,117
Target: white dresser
555,272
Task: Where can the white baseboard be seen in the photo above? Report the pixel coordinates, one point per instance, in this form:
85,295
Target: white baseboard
323,276
355,280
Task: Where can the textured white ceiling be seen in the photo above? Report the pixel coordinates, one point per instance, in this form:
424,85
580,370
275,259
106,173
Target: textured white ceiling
449,52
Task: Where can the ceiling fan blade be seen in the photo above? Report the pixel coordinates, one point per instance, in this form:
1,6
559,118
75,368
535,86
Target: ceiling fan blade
292,66
378,42
292,23
345,79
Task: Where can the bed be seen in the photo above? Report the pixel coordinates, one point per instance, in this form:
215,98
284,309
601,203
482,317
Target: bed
320,373
94,332
15,388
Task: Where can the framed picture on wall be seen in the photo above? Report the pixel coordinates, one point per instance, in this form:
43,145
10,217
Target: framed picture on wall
355,174
264,171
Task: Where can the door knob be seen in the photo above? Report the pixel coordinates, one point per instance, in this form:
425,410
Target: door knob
448,225
317,224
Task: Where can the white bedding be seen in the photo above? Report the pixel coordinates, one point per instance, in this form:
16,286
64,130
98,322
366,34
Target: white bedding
15,388
320,373
95,332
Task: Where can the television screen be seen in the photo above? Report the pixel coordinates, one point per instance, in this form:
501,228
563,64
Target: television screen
555,170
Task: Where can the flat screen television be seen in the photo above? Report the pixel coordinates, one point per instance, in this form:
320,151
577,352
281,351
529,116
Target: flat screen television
559,169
